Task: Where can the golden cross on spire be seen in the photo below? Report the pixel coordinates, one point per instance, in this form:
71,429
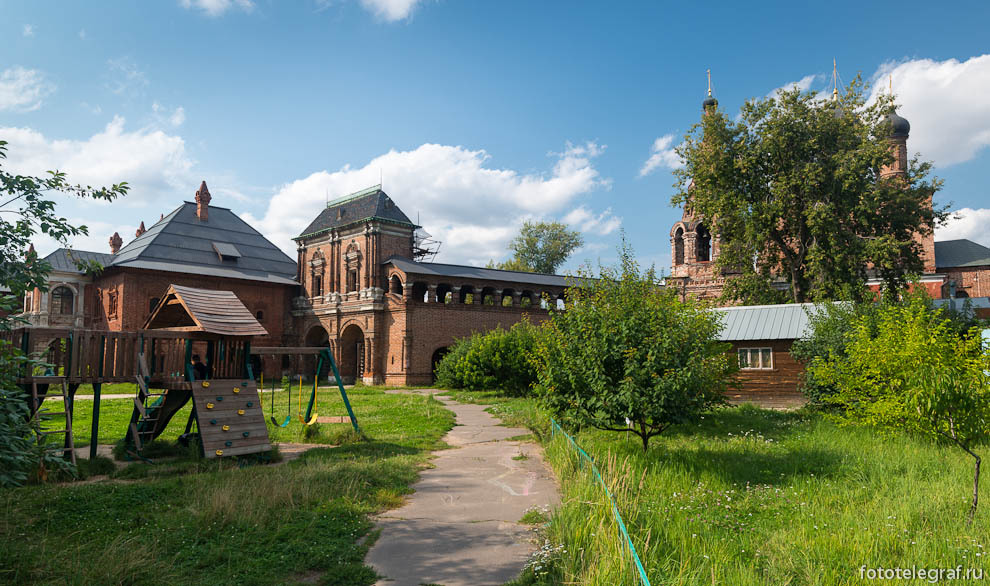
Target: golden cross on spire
835,81
709,82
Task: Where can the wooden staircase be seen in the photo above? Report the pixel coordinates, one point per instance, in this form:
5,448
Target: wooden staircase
68,448
143,427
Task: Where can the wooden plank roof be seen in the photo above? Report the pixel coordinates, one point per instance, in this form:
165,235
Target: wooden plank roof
204,310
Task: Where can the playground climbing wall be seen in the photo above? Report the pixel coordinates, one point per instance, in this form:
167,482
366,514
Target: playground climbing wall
230,419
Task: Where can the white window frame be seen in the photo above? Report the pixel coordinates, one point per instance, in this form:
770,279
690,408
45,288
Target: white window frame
756,352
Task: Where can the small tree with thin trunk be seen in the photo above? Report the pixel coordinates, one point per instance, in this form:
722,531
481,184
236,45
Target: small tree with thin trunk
908,368
626,350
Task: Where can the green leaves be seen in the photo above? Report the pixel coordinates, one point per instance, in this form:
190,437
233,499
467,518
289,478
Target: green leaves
795,192
625,349
541,247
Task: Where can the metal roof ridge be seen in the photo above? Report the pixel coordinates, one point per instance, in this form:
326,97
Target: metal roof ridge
357,194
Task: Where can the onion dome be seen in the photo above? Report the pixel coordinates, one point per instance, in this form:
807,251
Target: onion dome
899,126
709,102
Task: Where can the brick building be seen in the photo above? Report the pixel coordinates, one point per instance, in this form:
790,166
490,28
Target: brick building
196,245
388,315
951,269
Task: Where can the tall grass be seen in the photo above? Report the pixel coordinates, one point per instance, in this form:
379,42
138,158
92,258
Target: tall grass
761,497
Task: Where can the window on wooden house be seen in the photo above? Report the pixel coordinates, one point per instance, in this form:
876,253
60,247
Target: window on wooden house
62,301
755,358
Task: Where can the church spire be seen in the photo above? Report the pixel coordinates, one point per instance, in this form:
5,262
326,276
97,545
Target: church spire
710,101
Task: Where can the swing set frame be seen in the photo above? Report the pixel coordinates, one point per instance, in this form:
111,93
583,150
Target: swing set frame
323,354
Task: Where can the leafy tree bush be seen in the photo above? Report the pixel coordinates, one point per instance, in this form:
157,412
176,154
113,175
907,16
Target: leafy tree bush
496,360
25,211
625,349
908,368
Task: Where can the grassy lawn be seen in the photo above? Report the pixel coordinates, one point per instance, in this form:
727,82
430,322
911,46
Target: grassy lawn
751,496
305,521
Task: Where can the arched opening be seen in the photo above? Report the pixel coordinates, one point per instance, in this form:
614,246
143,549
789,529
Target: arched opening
438,355
507,295
527,299
316,337
395,285
62,301
961,295
351,354
679,246
703,244
259,315
466,294
420,291
444,293
560,301
488,296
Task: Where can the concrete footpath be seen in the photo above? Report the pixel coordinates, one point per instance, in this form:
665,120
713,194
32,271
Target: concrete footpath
460,526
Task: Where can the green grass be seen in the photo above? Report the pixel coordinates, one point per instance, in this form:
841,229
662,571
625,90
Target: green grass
753,497
211,522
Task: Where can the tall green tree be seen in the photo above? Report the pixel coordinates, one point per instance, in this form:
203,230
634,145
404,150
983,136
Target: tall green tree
629,355
793,189
26,211
541,247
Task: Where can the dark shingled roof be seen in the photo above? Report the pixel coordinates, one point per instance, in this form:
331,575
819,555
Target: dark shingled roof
356,207
181,243
468,272
960,253
64,259
206,310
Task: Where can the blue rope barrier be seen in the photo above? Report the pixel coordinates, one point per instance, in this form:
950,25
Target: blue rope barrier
615,511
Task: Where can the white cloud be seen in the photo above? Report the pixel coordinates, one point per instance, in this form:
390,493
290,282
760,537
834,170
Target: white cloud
217,7
803,84
23,90
125,76
174,118
473,209
82,34
969,224
662,154
390,10
586,221
943,101
28,30
154,163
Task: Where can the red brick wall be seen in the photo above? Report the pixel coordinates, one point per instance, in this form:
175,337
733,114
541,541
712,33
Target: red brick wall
974,281
136,287
777,387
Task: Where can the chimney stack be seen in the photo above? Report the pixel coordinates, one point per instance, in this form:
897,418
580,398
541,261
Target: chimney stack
115,243
203,202
141,230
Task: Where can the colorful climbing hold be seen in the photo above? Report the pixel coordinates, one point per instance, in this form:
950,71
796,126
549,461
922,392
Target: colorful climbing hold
219,452
249,403
236,390
228,444
225,428
209,405
244,384
206,384
246,434
213,422
219,398
240,411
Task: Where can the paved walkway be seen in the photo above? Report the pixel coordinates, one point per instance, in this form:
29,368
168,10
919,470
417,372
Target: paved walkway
461,526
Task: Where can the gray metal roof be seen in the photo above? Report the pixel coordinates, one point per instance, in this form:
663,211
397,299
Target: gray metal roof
363,205
960,253
64,259
181,243
479,273
765,322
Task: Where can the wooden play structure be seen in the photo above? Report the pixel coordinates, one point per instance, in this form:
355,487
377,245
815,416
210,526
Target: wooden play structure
212,324
187,323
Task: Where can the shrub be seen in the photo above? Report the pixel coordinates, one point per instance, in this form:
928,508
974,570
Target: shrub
496,360
628,355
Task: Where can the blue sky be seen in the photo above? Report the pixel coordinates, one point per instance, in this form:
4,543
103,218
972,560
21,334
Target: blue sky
477,115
